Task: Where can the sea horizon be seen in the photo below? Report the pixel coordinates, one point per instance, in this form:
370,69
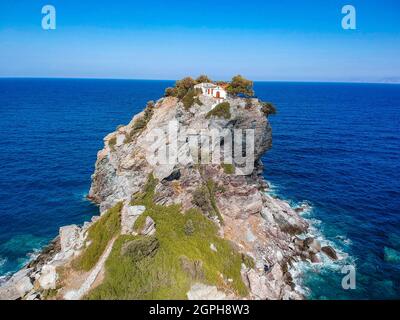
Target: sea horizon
258,81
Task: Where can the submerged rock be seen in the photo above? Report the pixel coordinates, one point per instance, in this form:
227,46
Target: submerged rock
391,255
330,252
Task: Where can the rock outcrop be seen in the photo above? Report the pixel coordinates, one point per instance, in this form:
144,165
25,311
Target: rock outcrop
260,226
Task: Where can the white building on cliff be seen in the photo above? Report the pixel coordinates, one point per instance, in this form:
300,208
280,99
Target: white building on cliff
212,90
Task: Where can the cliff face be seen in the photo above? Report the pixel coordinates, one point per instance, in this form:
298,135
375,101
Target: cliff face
257,224
122,169
208,229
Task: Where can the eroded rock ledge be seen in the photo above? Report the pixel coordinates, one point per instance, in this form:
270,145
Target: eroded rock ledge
263,228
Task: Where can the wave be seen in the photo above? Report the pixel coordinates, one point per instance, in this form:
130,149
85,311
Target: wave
301,270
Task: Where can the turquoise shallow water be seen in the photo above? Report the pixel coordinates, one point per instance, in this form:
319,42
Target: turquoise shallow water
336,146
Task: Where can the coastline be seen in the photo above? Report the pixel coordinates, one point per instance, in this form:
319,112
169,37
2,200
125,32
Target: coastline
52,251
263,230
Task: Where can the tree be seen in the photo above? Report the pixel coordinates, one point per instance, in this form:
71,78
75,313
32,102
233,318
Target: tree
240,85
170,92
268,109
183,86
203,78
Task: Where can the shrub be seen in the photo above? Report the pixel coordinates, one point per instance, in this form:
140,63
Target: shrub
228,168
146,196
248,261
170,92
189,99
240,85
99,234
140,248
221,110
201,199
141,123
221,83
203,78
249,103
183,86
211,191
268,109
112,142
189,228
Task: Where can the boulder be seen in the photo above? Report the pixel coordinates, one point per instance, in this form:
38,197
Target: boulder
48,277
17,286
213,247
314,258
201,291
23,286
267,215
257,283
149,227
129,215
391,255
312,245
71,239
330,252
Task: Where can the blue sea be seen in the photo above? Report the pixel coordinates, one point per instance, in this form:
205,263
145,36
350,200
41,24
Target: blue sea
335,146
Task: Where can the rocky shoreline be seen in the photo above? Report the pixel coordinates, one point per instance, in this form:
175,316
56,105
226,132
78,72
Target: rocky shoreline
264,229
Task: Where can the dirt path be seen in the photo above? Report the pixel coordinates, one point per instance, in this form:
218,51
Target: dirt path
87,284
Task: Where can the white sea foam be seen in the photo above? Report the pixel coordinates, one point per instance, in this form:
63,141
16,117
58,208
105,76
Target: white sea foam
4,277
2,261
299,269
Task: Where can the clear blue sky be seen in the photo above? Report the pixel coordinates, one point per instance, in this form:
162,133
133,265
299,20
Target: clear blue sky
263,40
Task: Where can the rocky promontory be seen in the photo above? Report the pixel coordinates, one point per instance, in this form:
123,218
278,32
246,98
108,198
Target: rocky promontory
207,229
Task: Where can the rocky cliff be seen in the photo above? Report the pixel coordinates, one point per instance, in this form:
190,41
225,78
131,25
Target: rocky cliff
207,228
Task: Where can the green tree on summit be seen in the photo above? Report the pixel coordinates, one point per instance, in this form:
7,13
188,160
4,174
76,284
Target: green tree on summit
203,78
240,85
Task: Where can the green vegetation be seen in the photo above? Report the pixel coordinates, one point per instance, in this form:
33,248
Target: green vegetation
140,248
181,88
141,123
203,79
112,142
228,168
249,103
189,227
99,235
240,85
248,261
222,110
190,99
49,294
204,199
201,199
212,190
146,196
268,109
166,265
